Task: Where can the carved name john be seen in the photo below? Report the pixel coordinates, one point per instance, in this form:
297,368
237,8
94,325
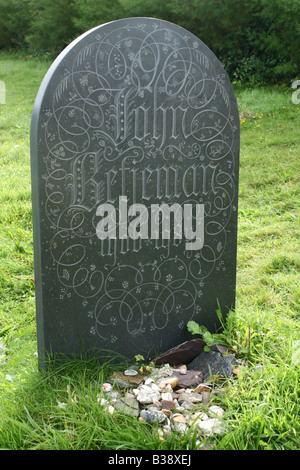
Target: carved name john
135,146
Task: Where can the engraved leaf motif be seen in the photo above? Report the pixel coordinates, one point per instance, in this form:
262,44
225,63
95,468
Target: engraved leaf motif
202,59
62,87
83,54
224,95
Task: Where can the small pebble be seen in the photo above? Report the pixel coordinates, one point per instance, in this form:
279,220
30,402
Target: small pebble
149,381
131,372
202,388
167,396
102,401
180,427
186,405
168,404
211,426
205,396
106,387
178,418
180,408
152,416
216,411
167,429
200,415
154,387
156,402
173,381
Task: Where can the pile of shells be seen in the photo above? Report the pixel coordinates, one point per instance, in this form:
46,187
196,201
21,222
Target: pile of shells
157,399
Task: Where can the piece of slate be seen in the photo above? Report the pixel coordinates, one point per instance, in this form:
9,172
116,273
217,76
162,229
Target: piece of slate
190,380
181,354
212,363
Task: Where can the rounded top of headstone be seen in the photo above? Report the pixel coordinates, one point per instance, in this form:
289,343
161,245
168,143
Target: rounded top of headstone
133,53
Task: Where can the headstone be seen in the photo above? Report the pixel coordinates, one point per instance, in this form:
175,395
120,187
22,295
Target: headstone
135,151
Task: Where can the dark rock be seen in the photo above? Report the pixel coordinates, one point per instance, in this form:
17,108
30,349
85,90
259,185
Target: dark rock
191,379
181,354
212,363
219,348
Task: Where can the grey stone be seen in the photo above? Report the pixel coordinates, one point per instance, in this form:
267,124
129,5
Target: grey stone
135,111
191,379
181,428
189,398
127,405
213,363
186,405
117,382
147,395
153,416
167,429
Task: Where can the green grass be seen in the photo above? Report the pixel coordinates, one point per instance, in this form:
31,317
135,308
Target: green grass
58,409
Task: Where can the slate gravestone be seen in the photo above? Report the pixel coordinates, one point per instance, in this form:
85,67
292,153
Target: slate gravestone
135,150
